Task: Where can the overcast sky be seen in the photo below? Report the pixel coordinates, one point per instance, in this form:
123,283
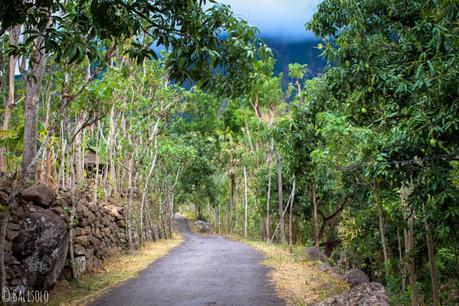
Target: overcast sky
276,18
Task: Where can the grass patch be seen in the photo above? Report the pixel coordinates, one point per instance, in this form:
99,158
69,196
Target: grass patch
114,271
297,280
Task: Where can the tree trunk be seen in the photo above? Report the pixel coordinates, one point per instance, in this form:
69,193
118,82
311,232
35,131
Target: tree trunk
298,86
96,174
401,263
32,91
316,217
231,201
172,206
245,203
148,226
290,219
110,175
383,239
268,199
405,192
383,243
144,193
79,159
169,215
48,165
432,264
61,175
216,221
71,250
249,137
292,194
13,39
411,269
79,154
129,203
236,212
379,206
281,204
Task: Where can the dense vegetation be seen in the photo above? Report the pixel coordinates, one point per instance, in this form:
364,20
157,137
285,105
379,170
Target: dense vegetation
362,161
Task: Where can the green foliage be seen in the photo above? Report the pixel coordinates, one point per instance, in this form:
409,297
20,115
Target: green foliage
383,115
395,75
208,45
297,71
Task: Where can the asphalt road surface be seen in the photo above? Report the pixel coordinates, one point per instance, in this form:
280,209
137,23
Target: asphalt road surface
203,270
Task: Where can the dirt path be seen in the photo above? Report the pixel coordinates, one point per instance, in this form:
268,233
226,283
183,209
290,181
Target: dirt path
203,270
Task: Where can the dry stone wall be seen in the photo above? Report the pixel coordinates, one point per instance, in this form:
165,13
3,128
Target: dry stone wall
37,236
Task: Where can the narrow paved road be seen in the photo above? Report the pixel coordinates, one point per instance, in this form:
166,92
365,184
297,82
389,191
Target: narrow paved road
203,270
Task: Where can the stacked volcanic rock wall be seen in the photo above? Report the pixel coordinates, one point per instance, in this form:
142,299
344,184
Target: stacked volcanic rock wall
37,237
99,231
36,242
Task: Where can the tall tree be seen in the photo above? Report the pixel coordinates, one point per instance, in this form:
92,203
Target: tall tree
193,33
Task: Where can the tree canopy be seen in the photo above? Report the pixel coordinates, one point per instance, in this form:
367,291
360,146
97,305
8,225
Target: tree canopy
361,161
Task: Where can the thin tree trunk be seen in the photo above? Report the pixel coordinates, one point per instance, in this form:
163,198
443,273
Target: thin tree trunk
168,223
147,224
13,39
411,269
124,171
290,219
381,226
268,200
231,202
249,137
79,152
383,243
383,239
281,204
236,213
96,177
245,203
129,203
401,261
171,212
150,172
216,221
161,219
9,103
144,193
316,217
48,165
298,85
71,162
290,198
71,250
270,161
61,176
172,199
405,192
432,264
111,153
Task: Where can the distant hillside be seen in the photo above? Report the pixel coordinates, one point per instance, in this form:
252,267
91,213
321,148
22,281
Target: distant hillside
287,52
302,52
